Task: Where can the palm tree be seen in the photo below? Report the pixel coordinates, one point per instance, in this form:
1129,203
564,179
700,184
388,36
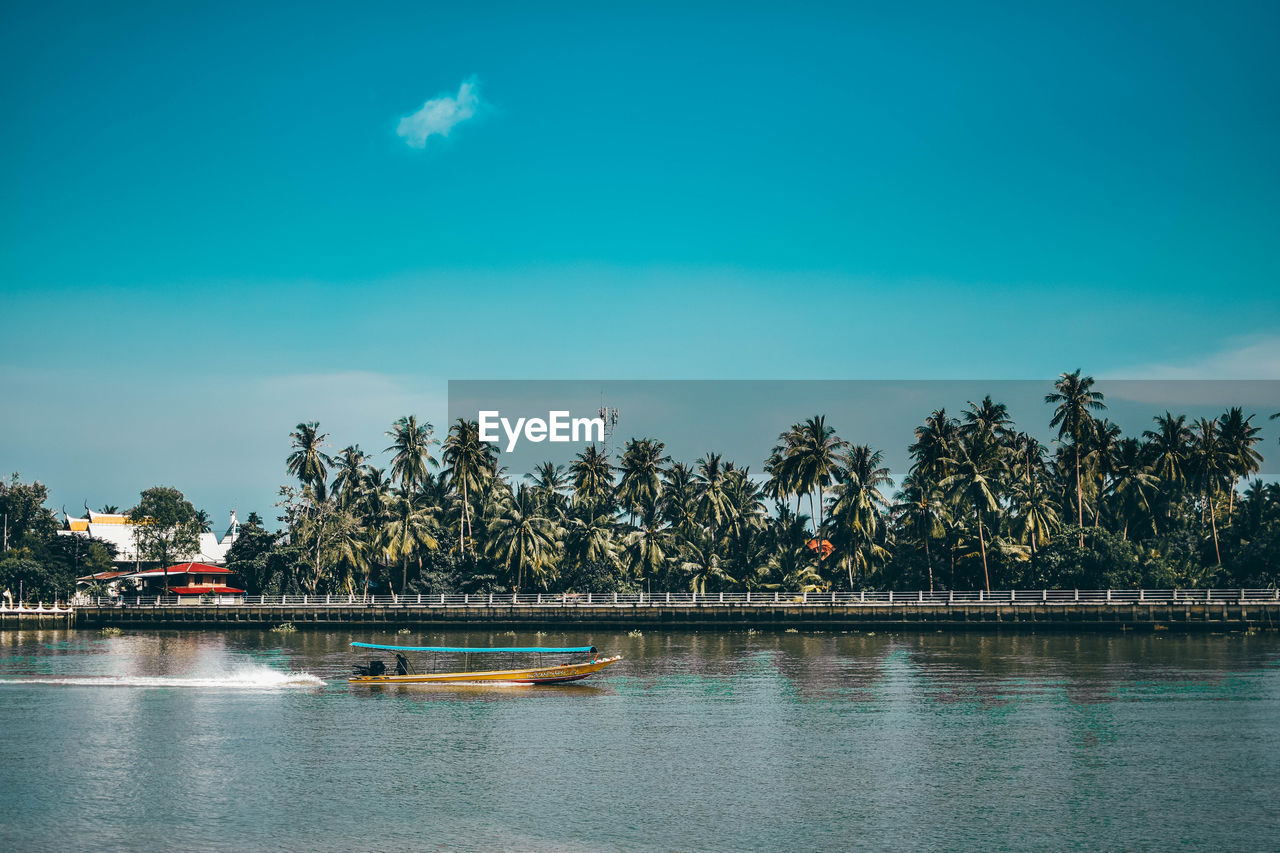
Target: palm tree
590,540
1102,460
1036,515
1239,435
550,482
1073,417
351,547
919,513
1211,463
308,462
592,477
472,464
789,564
1133,484
711,484
203,523
647,546
1170,444
810,459
988,418
935,446
970,484
521,539
412,444
351,464
1170,452
408,532
858,502
679,505
642,461
701,561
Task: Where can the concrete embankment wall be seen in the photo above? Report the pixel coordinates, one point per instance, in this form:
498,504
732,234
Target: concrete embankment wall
18,619
1215,616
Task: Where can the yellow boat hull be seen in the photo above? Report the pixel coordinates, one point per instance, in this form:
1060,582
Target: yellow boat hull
541,675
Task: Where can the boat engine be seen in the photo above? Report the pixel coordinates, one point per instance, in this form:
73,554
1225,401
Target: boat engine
375,667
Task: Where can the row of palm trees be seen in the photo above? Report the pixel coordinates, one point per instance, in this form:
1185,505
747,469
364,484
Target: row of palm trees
980,498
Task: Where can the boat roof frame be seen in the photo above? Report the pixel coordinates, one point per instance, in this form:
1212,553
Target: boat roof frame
470,651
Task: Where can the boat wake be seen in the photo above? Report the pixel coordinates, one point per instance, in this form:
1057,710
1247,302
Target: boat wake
255,678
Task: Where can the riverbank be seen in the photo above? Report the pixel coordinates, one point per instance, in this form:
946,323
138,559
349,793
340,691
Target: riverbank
1238,614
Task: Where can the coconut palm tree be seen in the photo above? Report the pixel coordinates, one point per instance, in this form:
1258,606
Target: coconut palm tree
1239,435
1103,448
351,465
522,540
308,462
408,532
647,547
701,562
810,452
970,484
935,445
1133,484
592,478
919,514
550,481
679,506
987,418
351,548
641,468
472,463
1035,515
590,539
1169,449
1170,444
711,479
412,443
203,522
789,564
1210,463
858,503
1073,417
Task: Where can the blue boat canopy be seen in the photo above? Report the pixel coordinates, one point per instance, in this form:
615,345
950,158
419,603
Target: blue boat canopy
464,650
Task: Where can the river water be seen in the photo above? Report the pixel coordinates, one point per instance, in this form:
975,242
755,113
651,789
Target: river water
253,740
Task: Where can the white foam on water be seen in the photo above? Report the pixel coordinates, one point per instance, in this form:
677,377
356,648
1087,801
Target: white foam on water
250,678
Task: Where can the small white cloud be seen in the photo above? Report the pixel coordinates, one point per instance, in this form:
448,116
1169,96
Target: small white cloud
439,115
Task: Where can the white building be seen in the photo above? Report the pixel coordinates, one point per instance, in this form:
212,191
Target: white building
117,529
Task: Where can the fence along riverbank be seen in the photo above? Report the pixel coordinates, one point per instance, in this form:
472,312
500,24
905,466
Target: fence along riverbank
1089,610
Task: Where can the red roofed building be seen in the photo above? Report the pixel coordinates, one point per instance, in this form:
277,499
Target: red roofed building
186,579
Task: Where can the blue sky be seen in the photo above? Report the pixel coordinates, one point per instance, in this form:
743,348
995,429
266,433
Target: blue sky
211,228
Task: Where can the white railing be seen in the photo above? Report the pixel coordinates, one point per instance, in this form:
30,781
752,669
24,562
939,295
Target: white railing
40,607
1097,597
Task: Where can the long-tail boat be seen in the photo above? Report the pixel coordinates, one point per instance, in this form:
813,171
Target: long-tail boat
542,672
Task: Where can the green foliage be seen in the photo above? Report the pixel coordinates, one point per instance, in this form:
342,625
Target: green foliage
22,506
37,580
166,526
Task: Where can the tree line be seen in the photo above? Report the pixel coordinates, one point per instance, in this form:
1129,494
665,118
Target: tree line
982,505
